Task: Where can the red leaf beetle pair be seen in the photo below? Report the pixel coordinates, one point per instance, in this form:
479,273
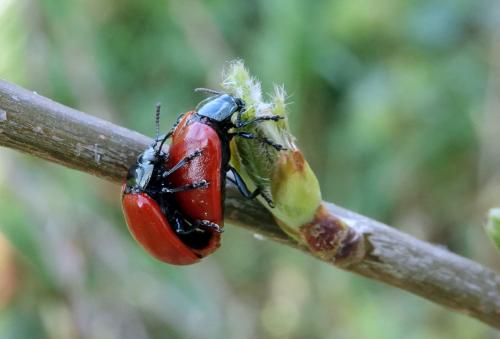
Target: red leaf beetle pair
173,202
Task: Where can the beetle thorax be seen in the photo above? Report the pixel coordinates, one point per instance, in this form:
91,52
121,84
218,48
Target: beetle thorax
140,174
220,108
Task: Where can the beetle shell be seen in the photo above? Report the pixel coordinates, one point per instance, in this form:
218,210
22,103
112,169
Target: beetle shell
201,203
152,230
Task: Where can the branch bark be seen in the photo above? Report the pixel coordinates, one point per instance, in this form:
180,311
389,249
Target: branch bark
41,127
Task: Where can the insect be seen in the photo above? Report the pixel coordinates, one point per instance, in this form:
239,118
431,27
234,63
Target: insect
151,210
210,128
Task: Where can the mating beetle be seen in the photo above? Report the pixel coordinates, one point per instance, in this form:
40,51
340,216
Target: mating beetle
210,129
151,211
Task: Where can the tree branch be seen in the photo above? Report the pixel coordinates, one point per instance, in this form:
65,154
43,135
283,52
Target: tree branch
41,127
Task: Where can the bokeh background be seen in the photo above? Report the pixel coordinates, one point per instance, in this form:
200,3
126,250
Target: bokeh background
395,104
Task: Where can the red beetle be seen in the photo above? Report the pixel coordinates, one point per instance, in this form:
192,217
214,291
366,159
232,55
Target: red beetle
152,214
210,129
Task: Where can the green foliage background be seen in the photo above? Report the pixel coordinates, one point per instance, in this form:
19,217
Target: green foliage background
394,103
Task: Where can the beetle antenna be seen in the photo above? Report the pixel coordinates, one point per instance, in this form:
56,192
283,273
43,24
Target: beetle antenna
163,141
157,121
208,90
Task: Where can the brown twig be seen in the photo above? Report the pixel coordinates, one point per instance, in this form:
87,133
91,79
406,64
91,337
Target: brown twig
41,127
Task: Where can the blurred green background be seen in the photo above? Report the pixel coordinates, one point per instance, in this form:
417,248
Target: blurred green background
394,103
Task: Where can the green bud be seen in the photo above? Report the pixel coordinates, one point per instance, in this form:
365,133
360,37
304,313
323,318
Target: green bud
289,188
283,177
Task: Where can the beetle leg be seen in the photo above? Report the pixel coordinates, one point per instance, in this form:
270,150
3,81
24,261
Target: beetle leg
182,162
247,135
240,124
208,224
182,226
179,118
179,225
192,186
240,184
177,221
242,187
